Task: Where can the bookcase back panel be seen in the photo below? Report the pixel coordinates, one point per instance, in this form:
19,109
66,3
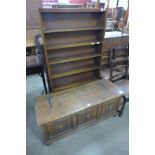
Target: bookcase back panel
71,52
71,20
82,77
58,68
70,37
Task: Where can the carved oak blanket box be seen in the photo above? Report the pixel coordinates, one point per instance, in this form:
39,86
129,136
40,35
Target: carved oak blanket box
64,112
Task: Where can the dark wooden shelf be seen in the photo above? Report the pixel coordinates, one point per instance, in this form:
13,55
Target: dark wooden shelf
75,71
74,58
80,10
74,84
47,31
78,44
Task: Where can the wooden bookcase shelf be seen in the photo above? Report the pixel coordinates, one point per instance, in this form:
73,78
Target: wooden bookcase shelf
74,80
74,84
64,10
73,40
46,31
74,58
78,44
75,71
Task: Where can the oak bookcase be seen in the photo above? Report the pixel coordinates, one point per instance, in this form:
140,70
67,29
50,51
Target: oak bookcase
73,40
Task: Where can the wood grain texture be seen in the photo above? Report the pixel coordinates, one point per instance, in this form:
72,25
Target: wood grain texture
75,44
72,29
73,80
109,44
75,58
32,14
76,107
30,33
66,29
74,100
75,71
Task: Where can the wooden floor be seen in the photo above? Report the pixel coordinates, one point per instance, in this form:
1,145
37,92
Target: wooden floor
122,84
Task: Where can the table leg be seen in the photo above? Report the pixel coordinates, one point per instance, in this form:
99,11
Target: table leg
44,82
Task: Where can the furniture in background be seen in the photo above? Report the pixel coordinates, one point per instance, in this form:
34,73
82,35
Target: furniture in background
59,5
124,23
90,5
40,50
30,44
110,25
73,45
34,66
119,64
64,112
39,47
114,15
112,40
30,48
35,63
94,5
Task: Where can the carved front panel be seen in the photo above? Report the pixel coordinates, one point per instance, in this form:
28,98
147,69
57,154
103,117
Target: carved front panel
108,107
59,126
120,103
81,117
91,113
86,116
